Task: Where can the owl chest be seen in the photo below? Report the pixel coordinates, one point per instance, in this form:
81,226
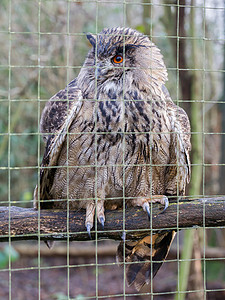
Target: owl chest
137,150
132,129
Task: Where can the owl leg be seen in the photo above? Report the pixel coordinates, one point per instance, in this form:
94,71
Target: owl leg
144,202
90,213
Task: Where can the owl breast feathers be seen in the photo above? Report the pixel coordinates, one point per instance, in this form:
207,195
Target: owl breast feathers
114,136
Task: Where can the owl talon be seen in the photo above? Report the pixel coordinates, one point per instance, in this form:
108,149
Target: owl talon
100,213
147,209
102,221
88,226
166,204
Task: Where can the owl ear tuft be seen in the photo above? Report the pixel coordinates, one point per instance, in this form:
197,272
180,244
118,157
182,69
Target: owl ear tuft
92,39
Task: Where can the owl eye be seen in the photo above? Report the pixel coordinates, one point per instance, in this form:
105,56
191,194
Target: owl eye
118,59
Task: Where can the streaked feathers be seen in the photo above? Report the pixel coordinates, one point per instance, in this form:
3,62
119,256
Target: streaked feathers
145,256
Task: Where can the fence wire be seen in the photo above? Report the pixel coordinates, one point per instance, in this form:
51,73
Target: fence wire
43,47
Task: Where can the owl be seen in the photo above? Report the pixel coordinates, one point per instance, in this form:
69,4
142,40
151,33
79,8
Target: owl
114,138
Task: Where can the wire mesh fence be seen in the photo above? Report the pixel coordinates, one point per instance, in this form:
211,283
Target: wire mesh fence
43,48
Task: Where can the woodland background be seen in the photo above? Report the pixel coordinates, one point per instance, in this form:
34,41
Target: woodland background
42,47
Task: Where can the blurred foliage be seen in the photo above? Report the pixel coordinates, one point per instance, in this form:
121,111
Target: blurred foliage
7,254
215,270
60,296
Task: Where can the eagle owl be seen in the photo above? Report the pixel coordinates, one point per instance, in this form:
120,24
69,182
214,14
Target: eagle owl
113,138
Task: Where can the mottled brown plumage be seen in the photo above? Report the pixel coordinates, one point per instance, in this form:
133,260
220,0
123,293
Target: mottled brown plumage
114,136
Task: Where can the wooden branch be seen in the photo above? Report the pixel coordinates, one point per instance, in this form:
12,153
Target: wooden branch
24,223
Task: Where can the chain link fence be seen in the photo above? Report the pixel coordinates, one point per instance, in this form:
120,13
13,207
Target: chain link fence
43,47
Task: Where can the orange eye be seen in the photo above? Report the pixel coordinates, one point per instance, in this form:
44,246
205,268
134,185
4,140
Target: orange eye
118,59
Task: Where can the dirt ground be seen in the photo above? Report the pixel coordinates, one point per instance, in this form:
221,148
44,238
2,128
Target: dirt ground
55,277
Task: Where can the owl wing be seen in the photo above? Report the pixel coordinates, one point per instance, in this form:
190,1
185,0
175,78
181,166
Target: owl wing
59,113
56,110
179,150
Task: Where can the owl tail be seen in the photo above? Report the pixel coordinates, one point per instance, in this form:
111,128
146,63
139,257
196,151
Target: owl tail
140,254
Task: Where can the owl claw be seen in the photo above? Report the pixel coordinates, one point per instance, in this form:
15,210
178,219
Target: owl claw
88,226
166,204
147,209
102,221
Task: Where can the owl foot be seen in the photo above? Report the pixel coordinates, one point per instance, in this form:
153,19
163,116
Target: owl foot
144,203
90,213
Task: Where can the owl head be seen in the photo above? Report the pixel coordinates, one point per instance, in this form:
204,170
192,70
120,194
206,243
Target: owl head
124,57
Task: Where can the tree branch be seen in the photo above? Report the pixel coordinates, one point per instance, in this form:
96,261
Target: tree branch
27,224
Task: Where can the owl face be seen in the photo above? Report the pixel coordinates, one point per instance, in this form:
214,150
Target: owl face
118,51
120,59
